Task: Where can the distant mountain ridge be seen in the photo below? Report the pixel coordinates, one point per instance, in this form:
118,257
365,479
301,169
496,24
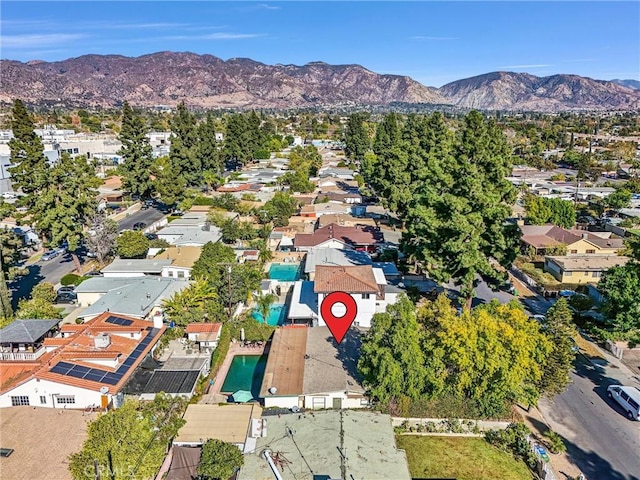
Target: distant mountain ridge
210,82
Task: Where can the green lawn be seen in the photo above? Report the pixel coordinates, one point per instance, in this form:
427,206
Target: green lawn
462,458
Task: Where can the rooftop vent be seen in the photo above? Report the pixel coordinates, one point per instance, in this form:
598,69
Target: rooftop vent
102,340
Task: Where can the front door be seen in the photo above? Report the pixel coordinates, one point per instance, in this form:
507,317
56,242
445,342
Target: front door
337,403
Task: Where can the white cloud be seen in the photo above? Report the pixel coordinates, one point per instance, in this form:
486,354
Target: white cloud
264,6
38,40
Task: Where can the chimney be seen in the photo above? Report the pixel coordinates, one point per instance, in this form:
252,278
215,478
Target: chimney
102,340
585,235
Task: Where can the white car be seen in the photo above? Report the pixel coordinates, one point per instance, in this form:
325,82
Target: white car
8,195
628,398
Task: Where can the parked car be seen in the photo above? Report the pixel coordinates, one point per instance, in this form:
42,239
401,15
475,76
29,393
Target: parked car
628,398
66,298
566,293
67,289
139,226
93,273
50,255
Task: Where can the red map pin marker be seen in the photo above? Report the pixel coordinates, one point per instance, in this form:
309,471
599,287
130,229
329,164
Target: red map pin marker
338,326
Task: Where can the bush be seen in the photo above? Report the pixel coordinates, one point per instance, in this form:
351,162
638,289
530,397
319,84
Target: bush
514,440
72,279
200,200
221,350
555,442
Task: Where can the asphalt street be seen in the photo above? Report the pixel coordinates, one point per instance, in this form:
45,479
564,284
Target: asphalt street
600,439
53,270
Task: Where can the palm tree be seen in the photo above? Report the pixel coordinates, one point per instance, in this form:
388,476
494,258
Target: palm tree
263,303
192,299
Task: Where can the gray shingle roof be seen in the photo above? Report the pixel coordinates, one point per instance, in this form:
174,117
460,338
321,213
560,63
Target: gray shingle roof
26,331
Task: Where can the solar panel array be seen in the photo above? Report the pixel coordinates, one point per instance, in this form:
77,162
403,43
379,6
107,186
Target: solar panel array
104,376
119,321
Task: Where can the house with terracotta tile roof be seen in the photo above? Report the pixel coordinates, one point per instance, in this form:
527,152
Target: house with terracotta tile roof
545,238
367,285
81,366
206,335
339,236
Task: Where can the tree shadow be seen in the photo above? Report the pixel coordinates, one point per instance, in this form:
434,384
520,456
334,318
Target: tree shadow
22,286
592,465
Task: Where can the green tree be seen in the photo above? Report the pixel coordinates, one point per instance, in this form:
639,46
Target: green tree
44,291
208,147
263,303
130,442
541,211
198,302
620,287
131,244
29,172
356,138
558,326
621,198
169,184
64,207
184,154
278,210
457,219
6,311
391,360
237,144
37,308
137,154
11,246
219,460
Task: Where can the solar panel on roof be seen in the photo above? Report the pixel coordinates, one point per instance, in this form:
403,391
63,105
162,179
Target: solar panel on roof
80,370
62,370
119,321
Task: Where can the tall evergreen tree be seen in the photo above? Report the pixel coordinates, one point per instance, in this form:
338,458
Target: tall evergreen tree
236,145
30,166
66,206
208,147
356,139
185,161
456,221
137,154
6,312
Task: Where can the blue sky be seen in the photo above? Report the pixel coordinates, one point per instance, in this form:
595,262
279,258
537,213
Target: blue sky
432,42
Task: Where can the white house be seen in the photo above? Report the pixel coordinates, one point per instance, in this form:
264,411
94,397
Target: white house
182,260
79,365
306,368
206,335
133,267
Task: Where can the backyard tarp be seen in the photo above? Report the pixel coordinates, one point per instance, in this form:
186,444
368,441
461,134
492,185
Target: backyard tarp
184,464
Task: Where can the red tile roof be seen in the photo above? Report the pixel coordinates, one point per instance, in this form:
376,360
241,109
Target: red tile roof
352,279
203,327
354,236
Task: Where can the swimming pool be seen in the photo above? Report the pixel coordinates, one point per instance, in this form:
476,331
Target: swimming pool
285,272
245,373
277,315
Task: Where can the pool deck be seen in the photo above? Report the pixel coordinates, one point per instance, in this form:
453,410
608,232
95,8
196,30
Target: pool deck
234,349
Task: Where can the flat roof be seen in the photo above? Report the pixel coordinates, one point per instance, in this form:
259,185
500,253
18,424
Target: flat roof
131,265
229,423
183,257
588,263
304,301
334,257
317,441
103,284
285,363
42,440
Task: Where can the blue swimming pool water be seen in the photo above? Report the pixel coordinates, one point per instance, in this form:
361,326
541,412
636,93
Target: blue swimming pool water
285,272
245,373
277,315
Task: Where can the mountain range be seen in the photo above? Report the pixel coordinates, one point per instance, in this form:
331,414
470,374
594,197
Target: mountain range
209,82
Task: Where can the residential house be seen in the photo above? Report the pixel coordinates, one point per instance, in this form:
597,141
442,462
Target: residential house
22,340
337,172
318,209
306,368
139,297
337,236
345,220
579,269
190,236
133,267
348,444
84,365
182,260
205,335
339,197
548,238
335,257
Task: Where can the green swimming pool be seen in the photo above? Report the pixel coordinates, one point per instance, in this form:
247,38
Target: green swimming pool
277,314
245,373
285,272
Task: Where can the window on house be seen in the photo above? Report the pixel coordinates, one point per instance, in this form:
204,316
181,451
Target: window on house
568,274
66,399
19,400
573,251
591,251
365,296
597,274
43,400
180,274
318,402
